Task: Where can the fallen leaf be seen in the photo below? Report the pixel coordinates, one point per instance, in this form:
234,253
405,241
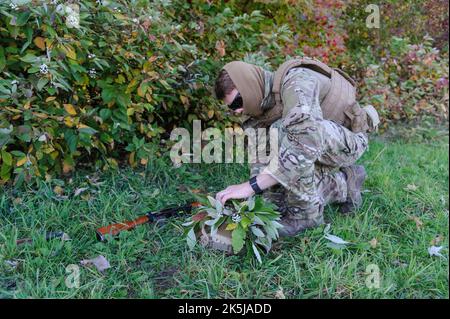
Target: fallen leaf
373,243
78,191
58,190
435,251
280,294
436,241
417,220
411,187
336,239
100,262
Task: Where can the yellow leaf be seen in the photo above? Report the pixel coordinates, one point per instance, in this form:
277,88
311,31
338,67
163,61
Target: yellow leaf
22,161
231,226
70,109
144,161
184,100
40,42
70,52
58,190
40,115
210,114
50,98
69,121
131,159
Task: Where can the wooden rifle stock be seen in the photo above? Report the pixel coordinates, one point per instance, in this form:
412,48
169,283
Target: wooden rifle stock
115,229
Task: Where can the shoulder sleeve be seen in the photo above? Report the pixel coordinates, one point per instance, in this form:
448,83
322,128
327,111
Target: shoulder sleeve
300,95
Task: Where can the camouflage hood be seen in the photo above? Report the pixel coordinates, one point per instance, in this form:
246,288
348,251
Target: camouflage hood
255,86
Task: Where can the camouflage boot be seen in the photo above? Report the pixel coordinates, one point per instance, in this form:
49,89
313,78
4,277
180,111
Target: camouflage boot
355,176
293,226
300,215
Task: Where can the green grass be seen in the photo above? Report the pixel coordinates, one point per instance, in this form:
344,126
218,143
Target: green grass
153,261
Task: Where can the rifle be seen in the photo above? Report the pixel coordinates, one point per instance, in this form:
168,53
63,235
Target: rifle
115,229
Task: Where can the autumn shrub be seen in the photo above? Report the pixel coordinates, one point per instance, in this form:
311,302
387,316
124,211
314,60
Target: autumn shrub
410,82
102,83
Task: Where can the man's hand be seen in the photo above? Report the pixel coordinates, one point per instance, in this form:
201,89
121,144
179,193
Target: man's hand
239,191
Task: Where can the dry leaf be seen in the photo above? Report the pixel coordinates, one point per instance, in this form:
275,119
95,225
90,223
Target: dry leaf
436,241
336,240
373,243
78,191
220,47
100,262
280,294
435,251
70,109
58,190
411,187
417,220
40,42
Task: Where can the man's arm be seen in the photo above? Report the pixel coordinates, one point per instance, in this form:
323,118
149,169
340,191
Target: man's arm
244,190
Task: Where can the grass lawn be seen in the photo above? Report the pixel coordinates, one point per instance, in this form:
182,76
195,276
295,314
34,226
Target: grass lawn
393,230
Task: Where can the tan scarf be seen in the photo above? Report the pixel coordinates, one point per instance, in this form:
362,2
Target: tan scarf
255,86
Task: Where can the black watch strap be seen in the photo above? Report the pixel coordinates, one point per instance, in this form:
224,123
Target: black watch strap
254,185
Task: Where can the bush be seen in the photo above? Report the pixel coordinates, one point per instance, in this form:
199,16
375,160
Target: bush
411,81
105,87
108,89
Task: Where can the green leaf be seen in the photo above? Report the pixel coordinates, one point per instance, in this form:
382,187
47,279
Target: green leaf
41,83
245,222
22,19
257,232
257,254
251,203
212,201
29,58
238,239
191,239
105,114
7,158
2,59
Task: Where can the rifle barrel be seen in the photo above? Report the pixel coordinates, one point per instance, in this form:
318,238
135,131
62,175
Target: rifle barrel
115,229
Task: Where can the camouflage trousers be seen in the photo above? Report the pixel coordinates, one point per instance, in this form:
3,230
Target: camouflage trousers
310,155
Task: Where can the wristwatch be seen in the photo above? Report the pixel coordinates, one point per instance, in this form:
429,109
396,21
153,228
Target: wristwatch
254,185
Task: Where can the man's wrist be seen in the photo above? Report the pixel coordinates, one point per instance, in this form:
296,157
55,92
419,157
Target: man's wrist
254,185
